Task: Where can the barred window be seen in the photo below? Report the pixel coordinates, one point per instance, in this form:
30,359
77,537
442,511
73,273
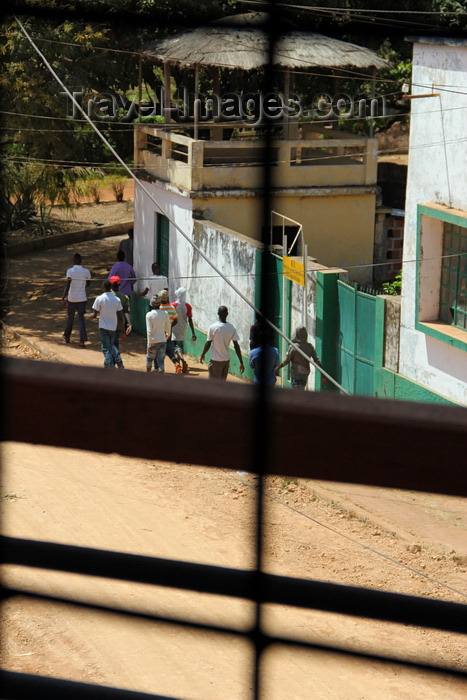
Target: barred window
453,291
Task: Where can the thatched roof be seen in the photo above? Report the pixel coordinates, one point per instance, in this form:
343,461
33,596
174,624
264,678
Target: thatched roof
240,41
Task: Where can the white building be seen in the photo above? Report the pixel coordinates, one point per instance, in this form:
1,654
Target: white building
433,335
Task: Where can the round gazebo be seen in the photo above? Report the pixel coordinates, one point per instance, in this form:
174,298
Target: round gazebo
241,42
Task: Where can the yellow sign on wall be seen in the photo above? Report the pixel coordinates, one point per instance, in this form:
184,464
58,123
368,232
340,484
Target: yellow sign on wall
294,270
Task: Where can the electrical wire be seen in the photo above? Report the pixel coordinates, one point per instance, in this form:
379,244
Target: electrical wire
359,14
331,268
344,12
347,537
90,48
337,268
279,69
73,132
347,72
347,10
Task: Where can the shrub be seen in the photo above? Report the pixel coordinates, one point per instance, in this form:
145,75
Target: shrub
394,287
117,185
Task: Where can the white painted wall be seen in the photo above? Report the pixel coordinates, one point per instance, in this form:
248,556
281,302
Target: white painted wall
177,208
296,318
231,252
436,173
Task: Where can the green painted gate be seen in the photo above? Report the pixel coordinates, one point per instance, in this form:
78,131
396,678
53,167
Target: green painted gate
355,339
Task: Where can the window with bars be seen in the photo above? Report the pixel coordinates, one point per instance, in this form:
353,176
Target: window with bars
453,288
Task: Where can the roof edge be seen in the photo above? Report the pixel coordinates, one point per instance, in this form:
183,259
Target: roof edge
438,40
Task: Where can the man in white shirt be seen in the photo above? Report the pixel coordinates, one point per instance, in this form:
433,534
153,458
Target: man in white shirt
158,328
111,320
220,335
185,318
75,298
154,284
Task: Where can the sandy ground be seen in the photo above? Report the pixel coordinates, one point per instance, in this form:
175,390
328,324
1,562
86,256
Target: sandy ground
413,543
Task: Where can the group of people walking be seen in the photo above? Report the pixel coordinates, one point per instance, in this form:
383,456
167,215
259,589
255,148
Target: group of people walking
263,357
166,327
111,306
167,324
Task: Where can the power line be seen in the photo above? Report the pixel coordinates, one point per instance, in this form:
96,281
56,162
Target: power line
345,10
70,120
437,258
72,132
353,14
347,72
150,56
310,159
91,48
350,539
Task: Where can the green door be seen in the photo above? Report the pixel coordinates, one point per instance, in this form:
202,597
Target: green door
272,306
162,244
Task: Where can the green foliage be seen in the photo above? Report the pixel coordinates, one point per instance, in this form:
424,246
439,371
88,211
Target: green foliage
450,12
28,191
41,113
394,287
93,185
154,119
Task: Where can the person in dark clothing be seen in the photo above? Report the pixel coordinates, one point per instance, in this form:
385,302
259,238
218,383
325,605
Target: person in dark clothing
299,366
126,246
263,359
255,331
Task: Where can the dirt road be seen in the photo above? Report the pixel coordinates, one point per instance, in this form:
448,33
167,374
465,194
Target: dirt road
378,538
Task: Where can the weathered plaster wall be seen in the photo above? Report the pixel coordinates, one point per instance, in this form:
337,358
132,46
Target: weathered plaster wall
235,255
231,252
391,331
339,229
436,173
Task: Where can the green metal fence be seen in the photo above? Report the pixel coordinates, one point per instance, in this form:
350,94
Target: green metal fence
355,339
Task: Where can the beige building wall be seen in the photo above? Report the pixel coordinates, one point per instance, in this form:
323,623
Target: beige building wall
339,229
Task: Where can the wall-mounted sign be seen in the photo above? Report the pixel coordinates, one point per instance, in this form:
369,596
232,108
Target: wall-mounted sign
294,270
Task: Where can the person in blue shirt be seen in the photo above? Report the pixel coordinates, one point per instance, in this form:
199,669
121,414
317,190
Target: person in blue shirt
264,358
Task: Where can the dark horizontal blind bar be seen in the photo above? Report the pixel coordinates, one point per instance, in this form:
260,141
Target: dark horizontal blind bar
320,435
266,639
23,686
282,590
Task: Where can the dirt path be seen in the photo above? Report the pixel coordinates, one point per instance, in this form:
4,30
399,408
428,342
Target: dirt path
379,538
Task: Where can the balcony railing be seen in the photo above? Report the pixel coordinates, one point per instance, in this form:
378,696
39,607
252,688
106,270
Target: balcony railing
321,158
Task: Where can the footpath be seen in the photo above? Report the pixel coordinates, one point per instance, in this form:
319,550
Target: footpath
32,308
32,304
